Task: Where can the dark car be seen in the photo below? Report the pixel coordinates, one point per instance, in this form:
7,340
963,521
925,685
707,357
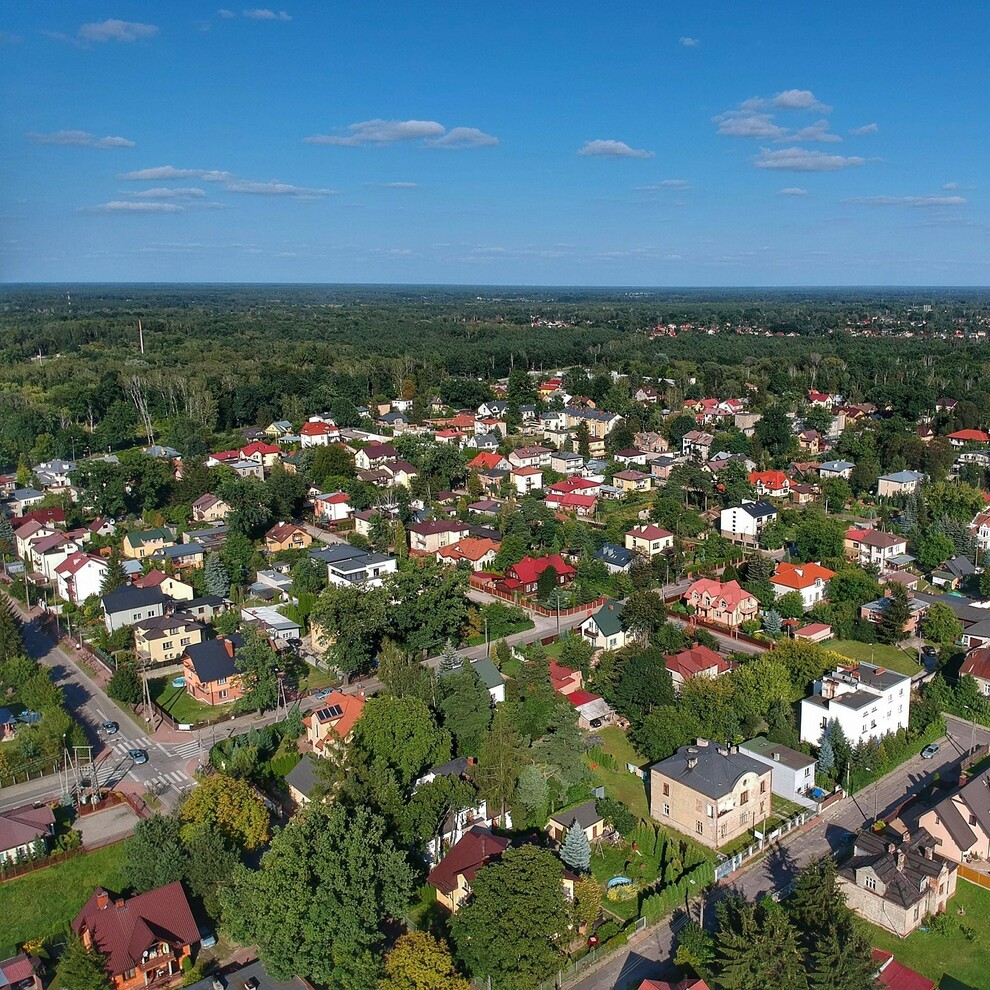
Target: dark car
138,755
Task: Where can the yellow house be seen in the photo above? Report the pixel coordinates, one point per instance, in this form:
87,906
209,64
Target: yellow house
163,639
139,545
632,481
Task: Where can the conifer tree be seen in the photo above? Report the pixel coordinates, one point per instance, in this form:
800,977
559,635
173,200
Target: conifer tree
450,659
576,850
6,535
11,636
115,575
215,576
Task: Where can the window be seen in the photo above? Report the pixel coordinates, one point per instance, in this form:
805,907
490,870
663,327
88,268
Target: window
744,818
221,680
721,831
917,911
710,810
871,883
167,646
744,797
666,790
666,809
699,827
223,694
807,771
763,787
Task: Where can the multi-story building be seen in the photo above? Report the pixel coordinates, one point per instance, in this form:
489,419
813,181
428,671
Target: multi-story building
745,522
164,638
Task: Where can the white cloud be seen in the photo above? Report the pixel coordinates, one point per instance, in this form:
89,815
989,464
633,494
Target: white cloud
170,192
817,131
612,149
463,137
166,172
115,30
688,42
225,14
6,38
865,129
748,123
912,201
665,184
276,189
261,14
128,206
80,139
798,99
793,191
804,160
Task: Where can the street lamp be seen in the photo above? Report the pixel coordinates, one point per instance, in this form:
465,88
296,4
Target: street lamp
972,727
876,788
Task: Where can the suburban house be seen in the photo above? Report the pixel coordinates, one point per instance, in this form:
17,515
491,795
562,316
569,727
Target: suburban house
163,639
534,457
649,540
317,433
374,456
452,876
566,462
139,545
574,504
955,571
809,580
631,480
584,815
302,780
526,479
211,674
977,665
564,680
745,522
488,674
210,508
867,701
128,605
486,461
896,885
428,537
695,661
723,603
710,793
332,507
27,534
478,552
604,629
697,444
286,536
145,938
770,484
960,823
189,556
617,560
261,453
872,547
24,833
524,576
793,775
21,499
352,565
836,469
271,622
963,437
332,724
79,576
899,483
169,586
874,611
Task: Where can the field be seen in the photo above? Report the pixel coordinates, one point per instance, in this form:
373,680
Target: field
619,783
958,962
179,705
42,903
903,661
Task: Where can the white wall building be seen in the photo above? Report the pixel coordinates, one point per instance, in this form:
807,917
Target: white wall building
744,523
867,701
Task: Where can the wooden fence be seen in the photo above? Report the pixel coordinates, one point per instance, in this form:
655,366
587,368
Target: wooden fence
980,879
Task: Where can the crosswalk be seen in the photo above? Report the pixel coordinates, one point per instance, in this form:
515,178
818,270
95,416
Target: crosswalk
185,750
173,778
122,746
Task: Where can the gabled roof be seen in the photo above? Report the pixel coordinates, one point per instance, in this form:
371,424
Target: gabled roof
609,618
283,531
694,660
128,597
529,569
22,826
977,663
486,459
894,975
798,576
75,563
475,849
731,591
338,711
649,532
585,815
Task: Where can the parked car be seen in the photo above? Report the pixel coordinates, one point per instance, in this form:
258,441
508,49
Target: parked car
930,750
138,755
110,727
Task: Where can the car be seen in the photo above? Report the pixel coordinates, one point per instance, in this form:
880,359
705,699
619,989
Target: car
138,755
596,723
930,750
110,727
322,694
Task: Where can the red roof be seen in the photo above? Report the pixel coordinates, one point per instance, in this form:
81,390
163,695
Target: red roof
580,697
560,676
771,480
75,563
265,449
486,461
693,661
649,532
123,929
970,436
469,854
575,501
977,663
54,515
529,569
150,580
798,576
730,591
896,976
335,498
526,472
315,430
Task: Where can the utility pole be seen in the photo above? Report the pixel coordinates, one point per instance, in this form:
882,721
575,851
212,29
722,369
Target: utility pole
141,336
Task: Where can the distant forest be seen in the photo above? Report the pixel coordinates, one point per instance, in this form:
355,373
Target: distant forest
220,357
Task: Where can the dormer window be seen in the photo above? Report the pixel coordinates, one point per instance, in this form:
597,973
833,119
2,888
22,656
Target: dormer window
870,883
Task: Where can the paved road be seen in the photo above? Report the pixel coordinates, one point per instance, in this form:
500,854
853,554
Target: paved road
650,957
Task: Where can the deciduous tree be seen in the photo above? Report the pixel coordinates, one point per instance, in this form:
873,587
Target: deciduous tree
419,961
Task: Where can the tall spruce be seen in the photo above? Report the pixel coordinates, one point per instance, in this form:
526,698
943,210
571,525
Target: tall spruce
576,850
215,576
115,575
11,635
757,947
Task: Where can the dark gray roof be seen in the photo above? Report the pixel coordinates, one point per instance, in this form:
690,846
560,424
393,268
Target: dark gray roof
955,824
779,754
903,884
336,553
303,776
880,678
758,509
211,661
715,772
855,699
613,554
609,618
960,566
452,768
127,597
585,814
961,607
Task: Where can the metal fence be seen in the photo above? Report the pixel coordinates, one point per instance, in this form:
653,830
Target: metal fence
733,863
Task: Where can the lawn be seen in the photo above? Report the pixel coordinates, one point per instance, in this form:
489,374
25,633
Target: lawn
314,679
952,958
179,705
47,900
903,661
619,783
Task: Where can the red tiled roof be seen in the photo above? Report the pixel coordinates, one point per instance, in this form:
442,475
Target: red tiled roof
529,569
694,660
575,501
682,985
280,532
896,976
731,591
351,706
22,826
469,854
315,430
122,930
560,675
971,436
75,563
579,698
258,447
486,460
471,548
977,663
798,576
335,498
47,516
649,532
773,480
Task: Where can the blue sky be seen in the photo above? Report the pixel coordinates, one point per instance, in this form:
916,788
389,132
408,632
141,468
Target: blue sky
645,143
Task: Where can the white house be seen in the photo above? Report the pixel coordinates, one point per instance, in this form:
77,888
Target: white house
603,630
867,701
333,507
874,547
649,539
744,523
836,469
899,483
80,576
809,580
317,433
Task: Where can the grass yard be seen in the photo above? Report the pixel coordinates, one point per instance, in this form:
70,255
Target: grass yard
179,705
42,903
953,959
904,662
314,679
619,783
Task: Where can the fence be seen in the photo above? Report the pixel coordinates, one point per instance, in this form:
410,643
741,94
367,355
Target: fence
31,771
733,863
487,586
980,879
18,870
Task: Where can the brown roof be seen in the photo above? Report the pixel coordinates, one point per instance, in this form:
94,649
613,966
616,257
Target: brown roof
977,663
469,854
283,531
123,929
21,826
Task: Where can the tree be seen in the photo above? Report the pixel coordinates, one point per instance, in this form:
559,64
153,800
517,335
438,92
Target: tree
81,968
467,709
774,430
512,928
588,900
664,731
419,961
400,735
427,812
154,856
546,583
11,635
7,545
941,625
835,493
643,614
216,580
256,661
114,576
226,806
354,619
756,948
933,549
616,814
790,605
644,683
318,905
853,585
125,684
895,615
583,438
210,862
576,850
450,659
695,950
772,622
499,762
817,537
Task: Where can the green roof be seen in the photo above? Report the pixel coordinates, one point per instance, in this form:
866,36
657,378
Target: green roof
148,536
609,618
484,668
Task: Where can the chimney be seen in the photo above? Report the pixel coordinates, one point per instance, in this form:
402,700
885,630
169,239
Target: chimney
692,757
102,899
929,852
119,903
775,756
899,858
891,847
229,647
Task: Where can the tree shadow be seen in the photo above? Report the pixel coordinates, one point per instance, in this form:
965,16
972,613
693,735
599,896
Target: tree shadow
951,983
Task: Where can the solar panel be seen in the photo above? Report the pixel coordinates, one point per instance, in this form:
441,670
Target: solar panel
334,711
